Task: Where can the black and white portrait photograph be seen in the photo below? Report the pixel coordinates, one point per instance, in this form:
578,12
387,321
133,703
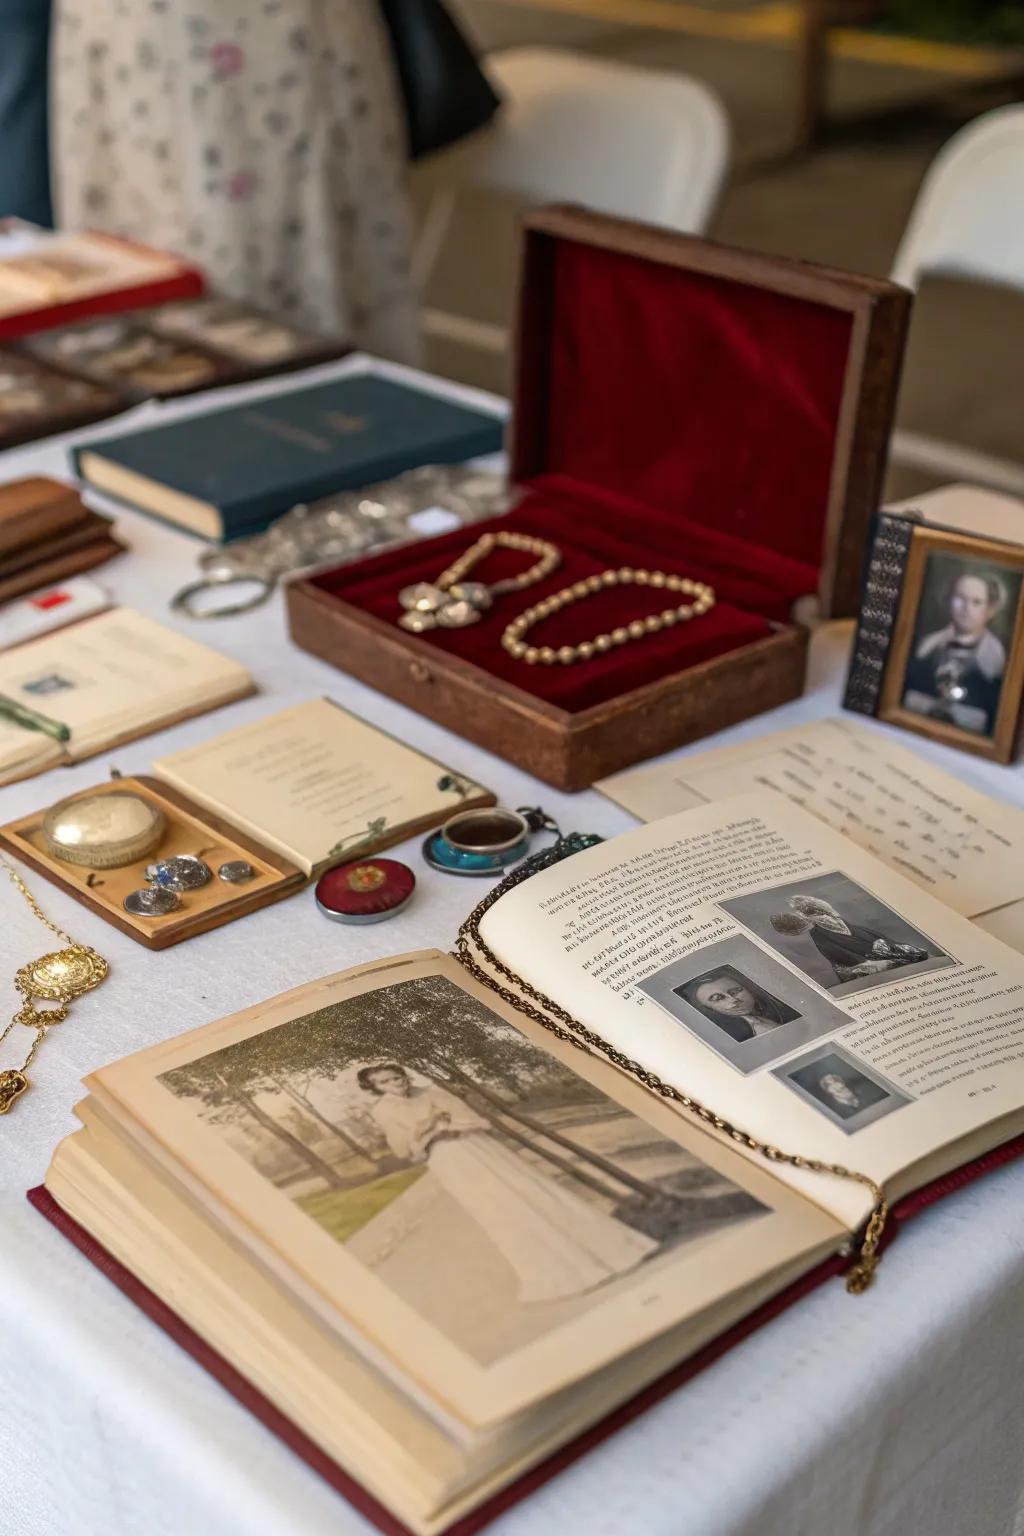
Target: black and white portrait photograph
838,933
742,1003
493,1190
845,1090
963,631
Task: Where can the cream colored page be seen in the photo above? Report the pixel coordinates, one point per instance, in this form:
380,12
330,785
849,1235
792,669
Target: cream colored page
56,269
112,673
138,1215
961,845
21,748
312,780
911,1013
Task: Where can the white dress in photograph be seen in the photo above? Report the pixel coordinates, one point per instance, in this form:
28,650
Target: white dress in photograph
557,1243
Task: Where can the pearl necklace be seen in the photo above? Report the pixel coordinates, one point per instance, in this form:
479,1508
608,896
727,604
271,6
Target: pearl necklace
703,600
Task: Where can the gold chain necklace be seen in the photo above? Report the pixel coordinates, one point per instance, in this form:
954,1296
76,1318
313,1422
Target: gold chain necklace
58,977
703,600
858,1277
453,603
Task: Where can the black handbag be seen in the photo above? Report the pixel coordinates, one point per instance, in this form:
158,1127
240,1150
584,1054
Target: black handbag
446,94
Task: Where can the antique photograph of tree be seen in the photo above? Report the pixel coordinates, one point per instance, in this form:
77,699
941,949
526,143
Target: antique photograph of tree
489,1186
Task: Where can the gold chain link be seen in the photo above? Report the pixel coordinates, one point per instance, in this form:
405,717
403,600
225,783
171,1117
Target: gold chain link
858,1277
36,908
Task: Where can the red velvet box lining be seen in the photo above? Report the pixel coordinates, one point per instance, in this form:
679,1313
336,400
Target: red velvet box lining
690,393
664,418
593,531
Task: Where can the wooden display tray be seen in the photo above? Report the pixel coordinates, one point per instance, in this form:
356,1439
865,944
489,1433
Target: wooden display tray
190,829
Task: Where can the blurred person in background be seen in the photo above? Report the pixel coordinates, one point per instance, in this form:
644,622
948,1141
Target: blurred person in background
24,168
262,139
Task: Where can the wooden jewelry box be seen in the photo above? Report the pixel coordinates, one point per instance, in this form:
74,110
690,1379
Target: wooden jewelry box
679,406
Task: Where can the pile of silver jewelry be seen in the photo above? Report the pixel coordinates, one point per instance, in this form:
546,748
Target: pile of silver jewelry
242,575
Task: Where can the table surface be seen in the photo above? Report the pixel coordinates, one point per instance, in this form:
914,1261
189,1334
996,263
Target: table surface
896,1412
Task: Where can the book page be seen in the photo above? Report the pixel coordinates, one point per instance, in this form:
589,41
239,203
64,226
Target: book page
791,982
318,785
25,751
487,1214
39,268
113,675
963,846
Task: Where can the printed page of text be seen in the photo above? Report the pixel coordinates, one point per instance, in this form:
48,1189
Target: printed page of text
950,839
769,968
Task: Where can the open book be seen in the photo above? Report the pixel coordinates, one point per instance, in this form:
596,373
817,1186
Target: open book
105,681
442,1241
314,781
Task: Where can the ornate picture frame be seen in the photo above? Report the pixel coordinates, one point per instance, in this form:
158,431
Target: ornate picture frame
940,644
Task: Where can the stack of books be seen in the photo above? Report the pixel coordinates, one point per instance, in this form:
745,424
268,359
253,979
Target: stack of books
47,534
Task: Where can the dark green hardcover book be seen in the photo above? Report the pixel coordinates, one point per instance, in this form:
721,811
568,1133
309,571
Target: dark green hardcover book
233,470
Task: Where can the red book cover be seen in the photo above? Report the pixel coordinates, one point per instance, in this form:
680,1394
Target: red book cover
169,277
298,1442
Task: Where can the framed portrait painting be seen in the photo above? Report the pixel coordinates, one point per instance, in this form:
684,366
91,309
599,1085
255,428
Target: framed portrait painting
945,637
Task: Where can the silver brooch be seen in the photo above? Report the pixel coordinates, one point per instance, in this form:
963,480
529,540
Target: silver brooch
182,872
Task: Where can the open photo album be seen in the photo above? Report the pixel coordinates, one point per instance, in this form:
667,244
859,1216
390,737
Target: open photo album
439,1241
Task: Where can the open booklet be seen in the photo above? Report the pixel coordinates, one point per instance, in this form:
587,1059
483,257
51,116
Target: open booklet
314,781
442,1241
107,680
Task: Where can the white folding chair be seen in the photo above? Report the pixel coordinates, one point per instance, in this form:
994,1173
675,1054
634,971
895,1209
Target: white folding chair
572,128
968,221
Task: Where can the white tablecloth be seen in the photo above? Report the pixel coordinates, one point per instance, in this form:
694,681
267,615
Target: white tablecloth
895,1414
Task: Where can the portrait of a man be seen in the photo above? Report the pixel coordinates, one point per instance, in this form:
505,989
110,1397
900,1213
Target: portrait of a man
958,656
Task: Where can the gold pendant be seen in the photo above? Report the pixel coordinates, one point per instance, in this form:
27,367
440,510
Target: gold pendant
62,975
57,978
12,1086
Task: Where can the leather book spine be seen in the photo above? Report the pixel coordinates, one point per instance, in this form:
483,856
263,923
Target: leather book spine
880,602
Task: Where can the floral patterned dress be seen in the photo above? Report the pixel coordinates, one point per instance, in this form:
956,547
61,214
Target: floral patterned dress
263,139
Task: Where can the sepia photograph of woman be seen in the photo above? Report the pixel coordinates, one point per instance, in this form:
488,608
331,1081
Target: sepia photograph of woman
736,1004
557,1244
